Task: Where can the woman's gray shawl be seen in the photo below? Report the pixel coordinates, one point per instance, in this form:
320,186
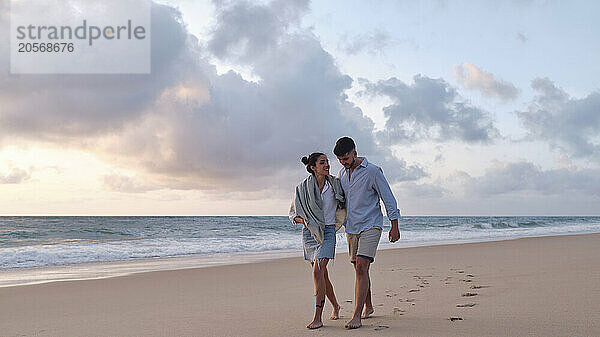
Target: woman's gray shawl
308,205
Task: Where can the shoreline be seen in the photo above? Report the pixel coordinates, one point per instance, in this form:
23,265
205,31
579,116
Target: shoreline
15,277
547,286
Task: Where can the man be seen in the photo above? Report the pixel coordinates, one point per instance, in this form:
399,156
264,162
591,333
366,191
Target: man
364,184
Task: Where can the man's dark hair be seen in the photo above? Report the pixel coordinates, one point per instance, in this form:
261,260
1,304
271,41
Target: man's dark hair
343,146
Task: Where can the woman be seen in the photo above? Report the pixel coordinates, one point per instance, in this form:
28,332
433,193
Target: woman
319,205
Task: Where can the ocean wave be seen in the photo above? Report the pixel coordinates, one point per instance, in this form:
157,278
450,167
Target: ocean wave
38,241
508,225
62,254
106,231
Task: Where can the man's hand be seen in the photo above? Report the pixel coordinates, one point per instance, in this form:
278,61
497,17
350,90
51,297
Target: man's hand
394,232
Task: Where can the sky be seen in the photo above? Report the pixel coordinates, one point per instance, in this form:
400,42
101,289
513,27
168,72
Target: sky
470,108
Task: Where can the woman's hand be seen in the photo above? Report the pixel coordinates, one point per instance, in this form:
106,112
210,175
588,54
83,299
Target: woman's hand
299,220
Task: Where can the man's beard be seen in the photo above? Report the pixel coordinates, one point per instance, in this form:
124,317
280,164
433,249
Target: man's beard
352,163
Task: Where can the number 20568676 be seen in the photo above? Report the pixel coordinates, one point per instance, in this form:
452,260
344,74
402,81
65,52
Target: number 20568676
48,47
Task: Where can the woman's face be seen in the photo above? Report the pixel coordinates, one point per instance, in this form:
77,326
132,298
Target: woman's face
321,166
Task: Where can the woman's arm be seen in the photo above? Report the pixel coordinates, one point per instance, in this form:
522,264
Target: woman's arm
293,216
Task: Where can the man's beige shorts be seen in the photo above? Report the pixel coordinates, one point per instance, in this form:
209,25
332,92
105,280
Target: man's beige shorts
364,244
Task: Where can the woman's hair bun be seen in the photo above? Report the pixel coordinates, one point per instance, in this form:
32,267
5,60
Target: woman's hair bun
304,160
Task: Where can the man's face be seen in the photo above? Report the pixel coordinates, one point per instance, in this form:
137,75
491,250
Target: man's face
347,160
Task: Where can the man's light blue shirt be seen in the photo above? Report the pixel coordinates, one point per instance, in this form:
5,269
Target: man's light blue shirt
363,189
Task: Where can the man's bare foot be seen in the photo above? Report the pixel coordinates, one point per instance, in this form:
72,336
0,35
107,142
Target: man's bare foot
335,314
315,324
367,312
353,323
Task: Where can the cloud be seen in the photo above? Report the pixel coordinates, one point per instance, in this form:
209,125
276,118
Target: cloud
15,176
424,190
123,183
521,37
569,124
429,110
374,42
58,107
506,178
471,77
246,31
186,127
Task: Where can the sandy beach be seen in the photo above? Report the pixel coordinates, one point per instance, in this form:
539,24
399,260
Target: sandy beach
547,286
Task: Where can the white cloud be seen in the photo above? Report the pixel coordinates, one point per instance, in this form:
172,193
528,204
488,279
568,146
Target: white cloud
373,43
124,183
187,127
421,191
507,178
429,110
15,175
471,77
569,124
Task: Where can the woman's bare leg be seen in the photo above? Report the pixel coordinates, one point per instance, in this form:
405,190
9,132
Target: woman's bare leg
335,314
320,291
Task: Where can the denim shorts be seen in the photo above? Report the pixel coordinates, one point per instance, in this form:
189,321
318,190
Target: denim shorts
313,250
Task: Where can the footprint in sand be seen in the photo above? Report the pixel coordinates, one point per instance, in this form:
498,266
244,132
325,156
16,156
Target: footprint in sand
469,294
466,305
381,327
452,319
398,312
413,290
477,286
389,293
466,280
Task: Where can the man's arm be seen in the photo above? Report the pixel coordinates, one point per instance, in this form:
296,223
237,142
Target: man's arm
389,201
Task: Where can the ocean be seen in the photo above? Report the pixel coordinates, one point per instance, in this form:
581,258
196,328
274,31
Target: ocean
36,249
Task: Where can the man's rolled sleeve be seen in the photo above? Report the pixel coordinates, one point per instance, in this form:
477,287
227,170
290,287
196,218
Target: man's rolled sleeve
385,193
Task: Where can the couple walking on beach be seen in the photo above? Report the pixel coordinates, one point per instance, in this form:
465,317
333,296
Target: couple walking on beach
323,203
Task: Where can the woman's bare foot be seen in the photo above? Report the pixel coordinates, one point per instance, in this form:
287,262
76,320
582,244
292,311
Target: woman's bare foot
353,323
335,314
367,312
315,324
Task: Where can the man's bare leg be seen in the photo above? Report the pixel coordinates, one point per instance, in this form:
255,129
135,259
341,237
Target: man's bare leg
368,310
319,279
360,291
335,314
